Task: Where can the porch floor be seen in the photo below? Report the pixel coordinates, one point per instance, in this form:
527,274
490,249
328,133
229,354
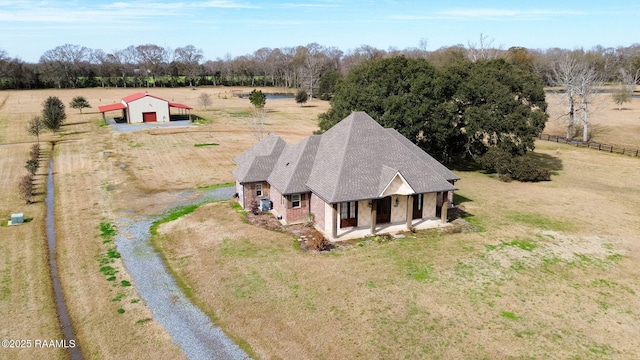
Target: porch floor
387,228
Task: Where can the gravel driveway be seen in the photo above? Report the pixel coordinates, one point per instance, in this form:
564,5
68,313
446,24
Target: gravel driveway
190,328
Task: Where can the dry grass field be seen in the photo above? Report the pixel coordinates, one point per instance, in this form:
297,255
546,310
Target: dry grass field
552,275
609,125
90,188
27,307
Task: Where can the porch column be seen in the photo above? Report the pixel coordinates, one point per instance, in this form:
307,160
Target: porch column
445,206
334,221
409,211
373,216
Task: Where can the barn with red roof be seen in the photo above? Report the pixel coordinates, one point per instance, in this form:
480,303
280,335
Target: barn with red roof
143,107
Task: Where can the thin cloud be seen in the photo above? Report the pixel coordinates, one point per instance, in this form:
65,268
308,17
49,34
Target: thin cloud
115,12
488,14
309,5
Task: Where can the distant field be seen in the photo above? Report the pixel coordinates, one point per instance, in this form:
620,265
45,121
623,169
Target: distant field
609,125
553,275
90,188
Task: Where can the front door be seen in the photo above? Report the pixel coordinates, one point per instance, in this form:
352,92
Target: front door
417,206
149,117
348,214
383,210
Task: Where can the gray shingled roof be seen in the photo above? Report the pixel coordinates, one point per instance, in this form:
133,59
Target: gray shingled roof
256,163
356,159
294,165
428,159
357,155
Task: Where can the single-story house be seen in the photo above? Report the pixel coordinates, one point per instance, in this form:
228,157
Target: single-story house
142,107
357,178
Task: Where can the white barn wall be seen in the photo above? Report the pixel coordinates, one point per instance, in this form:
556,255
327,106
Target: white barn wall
148,104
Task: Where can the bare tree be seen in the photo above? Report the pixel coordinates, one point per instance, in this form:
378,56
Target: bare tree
25,188
565,76
151,60
205,100
588,84
260,57
4,63
256,123
314,63
629,79
126,61
483,50
620,95
61,64
35,127
624,91
189,58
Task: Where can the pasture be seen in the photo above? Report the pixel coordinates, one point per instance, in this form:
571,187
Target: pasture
552,275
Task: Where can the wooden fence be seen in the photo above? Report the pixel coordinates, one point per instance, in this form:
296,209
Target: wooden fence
591,145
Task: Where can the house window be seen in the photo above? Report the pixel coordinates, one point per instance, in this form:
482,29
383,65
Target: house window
419,199
258,189
295,201
281,200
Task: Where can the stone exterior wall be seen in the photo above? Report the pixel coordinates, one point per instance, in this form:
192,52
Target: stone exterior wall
317,207
364,213
429,205
277,199
398,213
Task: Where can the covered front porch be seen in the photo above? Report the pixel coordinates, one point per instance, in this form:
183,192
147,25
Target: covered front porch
388,228
390,214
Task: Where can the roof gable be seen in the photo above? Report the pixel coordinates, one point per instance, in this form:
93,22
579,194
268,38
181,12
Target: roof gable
138,96
397,186
257,162
292,169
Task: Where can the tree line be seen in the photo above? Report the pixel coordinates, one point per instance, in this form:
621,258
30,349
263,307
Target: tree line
312,67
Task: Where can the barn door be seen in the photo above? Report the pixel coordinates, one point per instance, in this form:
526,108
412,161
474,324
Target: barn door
149,117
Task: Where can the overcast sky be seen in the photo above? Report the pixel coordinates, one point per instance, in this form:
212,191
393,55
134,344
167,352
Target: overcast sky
239,27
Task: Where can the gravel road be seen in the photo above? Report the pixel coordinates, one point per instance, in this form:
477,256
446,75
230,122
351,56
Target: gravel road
190,328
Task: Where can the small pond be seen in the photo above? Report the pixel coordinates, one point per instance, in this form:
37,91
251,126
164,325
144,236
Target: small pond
272,96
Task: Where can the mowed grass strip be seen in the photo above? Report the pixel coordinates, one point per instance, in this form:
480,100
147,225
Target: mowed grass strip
92,273
27,303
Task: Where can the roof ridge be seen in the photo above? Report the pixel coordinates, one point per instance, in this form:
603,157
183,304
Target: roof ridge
344,153
296,160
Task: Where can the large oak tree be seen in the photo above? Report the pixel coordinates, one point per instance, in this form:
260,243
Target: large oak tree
460,110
